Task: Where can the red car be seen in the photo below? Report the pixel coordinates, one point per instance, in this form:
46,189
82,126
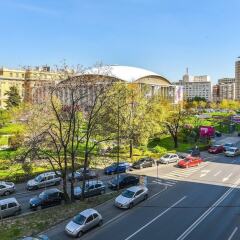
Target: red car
216,149
190,162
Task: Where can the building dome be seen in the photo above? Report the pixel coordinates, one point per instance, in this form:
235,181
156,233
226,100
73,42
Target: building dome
128,74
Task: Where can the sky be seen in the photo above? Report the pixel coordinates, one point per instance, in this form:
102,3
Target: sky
164,36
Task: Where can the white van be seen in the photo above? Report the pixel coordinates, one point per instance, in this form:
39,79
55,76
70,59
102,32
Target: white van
9,207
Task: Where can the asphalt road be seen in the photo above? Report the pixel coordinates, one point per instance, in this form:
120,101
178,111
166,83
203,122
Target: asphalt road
195,203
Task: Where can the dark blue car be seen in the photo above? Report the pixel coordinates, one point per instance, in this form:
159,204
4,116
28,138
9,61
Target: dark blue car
117,168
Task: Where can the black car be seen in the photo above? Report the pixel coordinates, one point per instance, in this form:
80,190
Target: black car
47,198
218,134
38,237
92,188
123,181
78,175
144,163
195,152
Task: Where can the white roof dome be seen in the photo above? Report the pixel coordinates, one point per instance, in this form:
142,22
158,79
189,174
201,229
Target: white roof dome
126,73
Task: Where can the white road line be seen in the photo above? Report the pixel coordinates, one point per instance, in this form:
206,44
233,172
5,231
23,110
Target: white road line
206,213
217,173
233,233
154,219
226,178
164,184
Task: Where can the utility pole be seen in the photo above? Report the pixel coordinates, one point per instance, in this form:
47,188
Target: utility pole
118,139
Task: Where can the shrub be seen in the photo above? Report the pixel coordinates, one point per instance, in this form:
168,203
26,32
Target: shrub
160,150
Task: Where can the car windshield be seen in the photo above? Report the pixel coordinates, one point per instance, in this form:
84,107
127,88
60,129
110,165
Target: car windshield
114,165
114,181
38,178
232,150
43,195
167,156
215,146
228,144
79,219
128,194
186,159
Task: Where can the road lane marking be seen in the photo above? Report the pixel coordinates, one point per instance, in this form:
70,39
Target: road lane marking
164,184
206,213
233,233
204,173
216,174
154,219
226,178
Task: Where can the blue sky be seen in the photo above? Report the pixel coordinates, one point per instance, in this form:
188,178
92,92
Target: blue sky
164,36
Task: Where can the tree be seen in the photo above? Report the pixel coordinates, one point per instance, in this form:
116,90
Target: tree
174,120
13,97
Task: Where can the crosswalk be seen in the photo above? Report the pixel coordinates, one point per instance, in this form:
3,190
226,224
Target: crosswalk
171,178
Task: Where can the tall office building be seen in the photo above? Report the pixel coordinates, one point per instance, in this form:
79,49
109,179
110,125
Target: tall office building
237,80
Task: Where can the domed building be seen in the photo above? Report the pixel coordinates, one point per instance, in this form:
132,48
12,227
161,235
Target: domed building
153,82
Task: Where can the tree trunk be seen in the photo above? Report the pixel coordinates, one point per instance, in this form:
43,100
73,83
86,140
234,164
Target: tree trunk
65,193
175,139
131,149
84,170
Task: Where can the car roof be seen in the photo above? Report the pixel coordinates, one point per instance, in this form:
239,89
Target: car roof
136,188
91,182
52,190
47,173
88,212
233,148
7,200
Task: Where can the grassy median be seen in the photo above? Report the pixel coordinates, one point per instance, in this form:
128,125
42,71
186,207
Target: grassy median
41,220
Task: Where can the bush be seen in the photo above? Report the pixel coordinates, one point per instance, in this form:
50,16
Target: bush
137,152
160,150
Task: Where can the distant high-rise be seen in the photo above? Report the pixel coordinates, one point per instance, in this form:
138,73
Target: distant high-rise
237,80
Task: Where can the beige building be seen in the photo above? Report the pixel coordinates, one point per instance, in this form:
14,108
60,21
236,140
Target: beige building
237,80
215,93
227,91
32,84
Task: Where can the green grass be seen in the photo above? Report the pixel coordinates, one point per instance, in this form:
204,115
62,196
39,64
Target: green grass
12,128
36,222
3,140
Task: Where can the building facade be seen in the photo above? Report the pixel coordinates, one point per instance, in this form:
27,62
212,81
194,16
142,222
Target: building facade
215,93
196,86
32,84
237,80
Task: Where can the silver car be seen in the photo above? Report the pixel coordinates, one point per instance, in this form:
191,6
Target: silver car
9,207
6,188
131,197
232,151
169,158
44,180
83,222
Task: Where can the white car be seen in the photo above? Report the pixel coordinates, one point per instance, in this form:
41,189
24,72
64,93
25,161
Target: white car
6,188
83,222
131,196
44,180
232,151
169,158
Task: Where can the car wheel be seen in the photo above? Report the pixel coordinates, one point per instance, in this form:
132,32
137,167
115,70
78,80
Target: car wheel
6,193
80,234
100,223
130,205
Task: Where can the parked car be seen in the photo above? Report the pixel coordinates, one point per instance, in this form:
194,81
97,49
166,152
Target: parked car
117,168
92,188
168,158
6,188
144,163
194,152
9,207
123,181
218,134
131,197
83,222
47,198
190,162
38,237
232,152
78,175
216,149
44,180
228,145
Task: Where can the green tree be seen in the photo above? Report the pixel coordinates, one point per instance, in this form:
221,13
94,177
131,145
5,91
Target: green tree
13,97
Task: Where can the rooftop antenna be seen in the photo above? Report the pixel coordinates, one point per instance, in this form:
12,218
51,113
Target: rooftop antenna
187,70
